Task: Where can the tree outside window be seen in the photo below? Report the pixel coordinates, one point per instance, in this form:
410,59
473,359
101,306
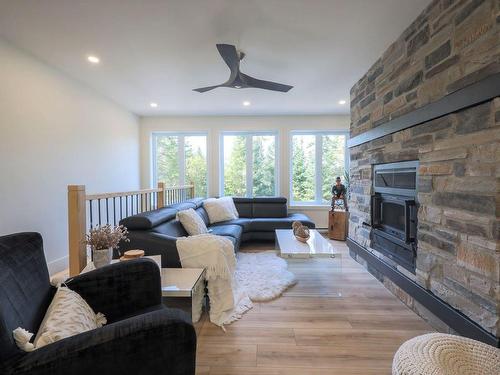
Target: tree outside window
317,158
181,160
249,164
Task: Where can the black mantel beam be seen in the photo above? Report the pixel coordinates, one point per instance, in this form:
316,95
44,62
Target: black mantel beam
450,316
476,93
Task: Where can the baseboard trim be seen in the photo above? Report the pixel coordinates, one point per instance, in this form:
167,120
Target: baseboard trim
450,316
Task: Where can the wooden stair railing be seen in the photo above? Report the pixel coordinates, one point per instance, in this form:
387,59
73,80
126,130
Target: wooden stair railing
89,210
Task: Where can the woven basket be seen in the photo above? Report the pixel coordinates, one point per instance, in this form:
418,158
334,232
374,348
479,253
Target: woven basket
443,354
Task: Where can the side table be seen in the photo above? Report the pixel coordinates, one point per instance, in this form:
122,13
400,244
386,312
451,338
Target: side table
184,288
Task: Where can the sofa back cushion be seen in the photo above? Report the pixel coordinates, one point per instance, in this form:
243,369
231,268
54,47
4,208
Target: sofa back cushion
203,214
269,207
183,206
25,290
150,219
171,228
244,206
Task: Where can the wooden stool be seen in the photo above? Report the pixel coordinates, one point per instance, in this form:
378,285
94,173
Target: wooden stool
337,225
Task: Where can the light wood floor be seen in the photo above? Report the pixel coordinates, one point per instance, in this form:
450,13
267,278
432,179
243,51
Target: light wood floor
334,321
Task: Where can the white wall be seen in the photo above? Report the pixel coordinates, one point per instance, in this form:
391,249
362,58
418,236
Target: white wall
214,125
55,132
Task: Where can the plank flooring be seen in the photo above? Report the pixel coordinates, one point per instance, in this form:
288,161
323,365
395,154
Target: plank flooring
336,320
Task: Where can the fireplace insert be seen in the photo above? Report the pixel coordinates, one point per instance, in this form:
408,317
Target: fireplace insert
394,212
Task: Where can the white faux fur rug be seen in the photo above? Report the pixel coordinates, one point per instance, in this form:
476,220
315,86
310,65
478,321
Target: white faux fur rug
264,275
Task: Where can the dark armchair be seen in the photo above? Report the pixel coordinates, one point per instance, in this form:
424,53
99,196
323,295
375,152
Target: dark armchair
141,337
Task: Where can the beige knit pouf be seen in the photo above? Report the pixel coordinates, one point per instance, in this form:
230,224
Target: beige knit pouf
442,354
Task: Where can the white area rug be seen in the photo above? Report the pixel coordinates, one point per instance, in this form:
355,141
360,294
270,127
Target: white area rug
264,275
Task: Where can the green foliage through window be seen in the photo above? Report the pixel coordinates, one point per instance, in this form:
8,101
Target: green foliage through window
258,152
313,172
182,160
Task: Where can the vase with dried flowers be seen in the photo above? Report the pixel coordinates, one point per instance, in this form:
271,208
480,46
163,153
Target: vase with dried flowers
102,240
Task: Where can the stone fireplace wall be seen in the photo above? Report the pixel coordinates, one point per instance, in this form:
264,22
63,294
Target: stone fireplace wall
449,46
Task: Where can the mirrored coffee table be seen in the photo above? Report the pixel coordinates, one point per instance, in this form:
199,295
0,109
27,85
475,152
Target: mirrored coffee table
316,246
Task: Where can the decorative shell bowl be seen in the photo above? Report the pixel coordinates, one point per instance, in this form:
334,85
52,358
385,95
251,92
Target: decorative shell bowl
301,232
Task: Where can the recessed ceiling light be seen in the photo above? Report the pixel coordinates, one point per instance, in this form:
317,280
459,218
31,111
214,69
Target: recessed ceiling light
93,59
342,102
246,103
153,105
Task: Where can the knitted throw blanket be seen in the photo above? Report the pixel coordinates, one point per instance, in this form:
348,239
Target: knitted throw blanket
228,301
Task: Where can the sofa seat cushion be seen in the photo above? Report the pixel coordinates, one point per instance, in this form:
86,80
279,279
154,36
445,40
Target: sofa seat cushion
244,223
269,224
234,231
304,219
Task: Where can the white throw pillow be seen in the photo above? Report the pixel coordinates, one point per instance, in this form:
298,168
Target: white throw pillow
192,222
219,209
230,202
68,315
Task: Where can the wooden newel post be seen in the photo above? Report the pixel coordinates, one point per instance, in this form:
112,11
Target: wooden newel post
191,190
160,196
76,229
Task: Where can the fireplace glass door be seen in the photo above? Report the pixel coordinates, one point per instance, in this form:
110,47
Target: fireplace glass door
393,216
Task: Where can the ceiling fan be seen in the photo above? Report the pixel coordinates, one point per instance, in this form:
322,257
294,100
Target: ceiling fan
237,79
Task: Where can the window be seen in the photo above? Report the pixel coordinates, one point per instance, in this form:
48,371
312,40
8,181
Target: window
249,164
316,159
181,159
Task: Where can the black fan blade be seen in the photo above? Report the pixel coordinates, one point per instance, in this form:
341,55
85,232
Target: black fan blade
230,56
208,88
267,85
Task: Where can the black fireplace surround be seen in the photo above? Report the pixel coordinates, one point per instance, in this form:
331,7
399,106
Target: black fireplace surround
394,212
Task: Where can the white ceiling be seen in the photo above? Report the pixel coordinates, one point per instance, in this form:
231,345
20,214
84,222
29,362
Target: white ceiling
159,50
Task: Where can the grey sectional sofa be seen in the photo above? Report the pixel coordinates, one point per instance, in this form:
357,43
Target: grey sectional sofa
156,231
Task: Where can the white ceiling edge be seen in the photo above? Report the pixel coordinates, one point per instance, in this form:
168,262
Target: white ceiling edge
159,51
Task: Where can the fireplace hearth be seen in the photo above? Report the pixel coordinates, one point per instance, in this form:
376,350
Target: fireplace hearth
394,212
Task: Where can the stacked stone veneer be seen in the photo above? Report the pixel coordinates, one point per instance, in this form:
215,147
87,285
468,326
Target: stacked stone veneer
449,46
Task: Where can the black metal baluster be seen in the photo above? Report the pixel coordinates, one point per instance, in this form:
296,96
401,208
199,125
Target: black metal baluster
121,208
126,205
90,212
137,204
114,211
99,210
107,211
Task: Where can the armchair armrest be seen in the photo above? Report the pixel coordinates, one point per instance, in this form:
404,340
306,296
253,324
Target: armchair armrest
159,342
120,289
